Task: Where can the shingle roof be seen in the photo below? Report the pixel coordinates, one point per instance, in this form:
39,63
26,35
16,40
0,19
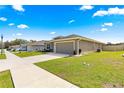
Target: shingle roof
38,42
15,46
74,36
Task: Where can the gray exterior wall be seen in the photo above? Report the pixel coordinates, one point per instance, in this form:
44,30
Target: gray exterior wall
86,46
75,45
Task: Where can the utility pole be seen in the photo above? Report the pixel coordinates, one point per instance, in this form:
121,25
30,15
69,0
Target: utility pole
1,44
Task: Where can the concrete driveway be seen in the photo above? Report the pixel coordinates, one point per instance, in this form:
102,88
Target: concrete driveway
45,57
27,75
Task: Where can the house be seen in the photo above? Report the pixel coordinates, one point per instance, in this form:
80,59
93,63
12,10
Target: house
14,47
71,44
38,45
75,44
33,46
22,47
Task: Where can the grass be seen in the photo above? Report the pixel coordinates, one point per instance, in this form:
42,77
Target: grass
27,54
95,70
6,80
2,56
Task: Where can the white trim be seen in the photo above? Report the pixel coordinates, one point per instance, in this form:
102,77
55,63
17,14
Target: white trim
64,41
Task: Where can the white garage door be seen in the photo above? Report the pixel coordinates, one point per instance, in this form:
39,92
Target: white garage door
66,48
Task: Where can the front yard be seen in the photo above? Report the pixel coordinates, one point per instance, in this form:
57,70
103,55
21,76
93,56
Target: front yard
2,56
105,69
27,54
6,80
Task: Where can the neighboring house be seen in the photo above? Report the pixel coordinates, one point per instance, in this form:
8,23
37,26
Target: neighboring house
75,44
22,47
14,47
33,46
38,46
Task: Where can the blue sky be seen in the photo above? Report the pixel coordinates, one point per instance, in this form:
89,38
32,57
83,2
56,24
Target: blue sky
42,22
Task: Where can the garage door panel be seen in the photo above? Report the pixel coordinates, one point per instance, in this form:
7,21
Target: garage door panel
66,47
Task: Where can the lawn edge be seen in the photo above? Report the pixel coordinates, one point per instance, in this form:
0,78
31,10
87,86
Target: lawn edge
57,75
13,86
12,79
28,56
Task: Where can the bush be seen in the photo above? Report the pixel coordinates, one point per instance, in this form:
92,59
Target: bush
80,51
98,50
74,52
13,50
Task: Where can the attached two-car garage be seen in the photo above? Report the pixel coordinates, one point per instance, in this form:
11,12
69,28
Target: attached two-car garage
77,45
64,47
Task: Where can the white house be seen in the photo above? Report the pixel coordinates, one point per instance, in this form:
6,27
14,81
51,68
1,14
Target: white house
38,45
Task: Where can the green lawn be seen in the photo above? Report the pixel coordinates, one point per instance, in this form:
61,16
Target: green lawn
105,69
2,56
27,54
6,80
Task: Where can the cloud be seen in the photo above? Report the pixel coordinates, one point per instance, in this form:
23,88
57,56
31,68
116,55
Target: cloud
52,33
19,34
110,11
3,19
11,24
22,26
18,8
107,24
71,21
86,7
100,13
103,29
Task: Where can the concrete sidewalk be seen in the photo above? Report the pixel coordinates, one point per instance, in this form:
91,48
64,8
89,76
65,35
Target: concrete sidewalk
27,75
33,77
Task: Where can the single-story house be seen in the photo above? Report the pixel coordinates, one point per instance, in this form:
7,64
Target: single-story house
14,47
75,44
38,45
33,46
22,47
71,44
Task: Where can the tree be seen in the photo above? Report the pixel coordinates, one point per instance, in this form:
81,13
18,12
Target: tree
32,40
6,44
18,42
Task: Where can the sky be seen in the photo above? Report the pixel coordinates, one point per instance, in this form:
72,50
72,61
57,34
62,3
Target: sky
43,22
